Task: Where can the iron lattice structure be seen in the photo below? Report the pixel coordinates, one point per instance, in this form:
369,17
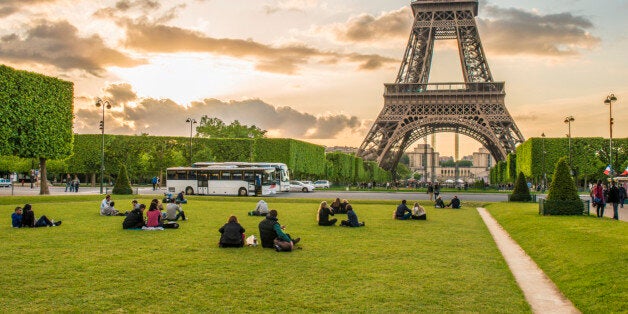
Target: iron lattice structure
414,109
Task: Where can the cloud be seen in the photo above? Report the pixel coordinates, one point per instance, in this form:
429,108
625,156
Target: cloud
514,31
291,5
149,37
8,7
59,44
166,117
369,28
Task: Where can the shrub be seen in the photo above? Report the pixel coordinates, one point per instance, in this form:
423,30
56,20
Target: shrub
122,185
521,193
562,198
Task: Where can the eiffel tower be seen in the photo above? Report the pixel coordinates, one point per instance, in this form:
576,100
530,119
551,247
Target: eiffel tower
414,108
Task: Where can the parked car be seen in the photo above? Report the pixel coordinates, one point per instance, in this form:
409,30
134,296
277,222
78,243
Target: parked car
296,186
6,183
322,184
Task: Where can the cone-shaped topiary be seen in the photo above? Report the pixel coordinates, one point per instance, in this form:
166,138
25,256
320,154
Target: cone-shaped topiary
562,198
521,193
122,185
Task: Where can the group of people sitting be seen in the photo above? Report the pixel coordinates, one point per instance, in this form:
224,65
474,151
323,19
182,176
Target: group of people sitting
324,211
454,203
404,213
155,217
25,217
272,234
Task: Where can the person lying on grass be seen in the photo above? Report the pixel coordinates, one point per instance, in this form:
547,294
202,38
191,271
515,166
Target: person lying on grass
28,219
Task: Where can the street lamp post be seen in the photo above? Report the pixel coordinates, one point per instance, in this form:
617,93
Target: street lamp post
609,101
544,173
102,103
191,121
568,120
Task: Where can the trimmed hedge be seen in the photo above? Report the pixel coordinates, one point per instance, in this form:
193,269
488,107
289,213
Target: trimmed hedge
521,193
122,186
562,198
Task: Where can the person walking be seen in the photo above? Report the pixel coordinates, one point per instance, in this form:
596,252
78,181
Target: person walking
622,195
430,190
597,194
613,198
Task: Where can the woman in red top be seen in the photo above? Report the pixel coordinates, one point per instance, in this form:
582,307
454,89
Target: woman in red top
598,198
153,216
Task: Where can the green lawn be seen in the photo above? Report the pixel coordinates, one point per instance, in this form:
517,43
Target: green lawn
89,264
586,257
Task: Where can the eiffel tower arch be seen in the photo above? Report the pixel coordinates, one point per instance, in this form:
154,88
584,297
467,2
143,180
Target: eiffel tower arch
414,108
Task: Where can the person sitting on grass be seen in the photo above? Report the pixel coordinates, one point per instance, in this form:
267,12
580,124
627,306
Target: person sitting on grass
418,212
110,210
401,211
135,218
335,206
181,199
16,218
352,218
28,219
261,209
104,204
153,216
232,234
323,215
455,202
272,235
439,202
174,211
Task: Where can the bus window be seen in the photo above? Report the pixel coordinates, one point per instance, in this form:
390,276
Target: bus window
249,176
202,179
225,175
236,175
171,175
214,175
191,174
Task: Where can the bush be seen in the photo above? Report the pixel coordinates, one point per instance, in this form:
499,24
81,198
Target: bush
122,185
562,198
521,193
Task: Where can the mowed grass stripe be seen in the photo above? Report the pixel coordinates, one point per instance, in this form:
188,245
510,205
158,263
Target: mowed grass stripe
448,263
585,257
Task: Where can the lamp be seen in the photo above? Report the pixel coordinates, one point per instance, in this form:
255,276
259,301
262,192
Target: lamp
191,121
104,104
568,120
609,101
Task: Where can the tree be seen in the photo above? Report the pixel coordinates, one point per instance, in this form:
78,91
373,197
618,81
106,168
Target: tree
216,128
37,114
122,186
521,193
562,198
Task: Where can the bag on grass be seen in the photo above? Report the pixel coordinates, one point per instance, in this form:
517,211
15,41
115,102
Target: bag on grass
251,240
171,225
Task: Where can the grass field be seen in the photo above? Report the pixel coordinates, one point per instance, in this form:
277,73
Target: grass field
586,257
446,264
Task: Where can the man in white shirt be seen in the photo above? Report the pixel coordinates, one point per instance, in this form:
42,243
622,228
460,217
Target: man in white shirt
260,210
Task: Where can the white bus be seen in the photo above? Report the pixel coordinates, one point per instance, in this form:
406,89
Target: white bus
282,174
221,180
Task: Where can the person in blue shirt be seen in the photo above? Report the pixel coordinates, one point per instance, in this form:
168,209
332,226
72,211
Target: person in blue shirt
401,211
352,218
16,218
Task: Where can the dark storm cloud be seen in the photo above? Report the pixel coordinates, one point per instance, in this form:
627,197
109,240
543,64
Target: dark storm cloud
370,28
166,117
59,44
149,37
514,31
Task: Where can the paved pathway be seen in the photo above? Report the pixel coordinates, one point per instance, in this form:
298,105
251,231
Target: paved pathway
540,292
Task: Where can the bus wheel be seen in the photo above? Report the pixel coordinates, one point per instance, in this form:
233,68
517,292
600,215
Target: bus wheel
189,190
305,190
242,192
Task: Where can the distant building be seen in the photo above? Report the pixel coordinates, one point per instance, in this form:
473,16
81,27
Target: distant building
426,162
342,149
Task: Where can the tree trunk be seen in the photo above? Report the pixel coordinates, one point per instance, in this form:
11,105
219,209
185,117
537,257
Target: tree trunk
93,179
43,186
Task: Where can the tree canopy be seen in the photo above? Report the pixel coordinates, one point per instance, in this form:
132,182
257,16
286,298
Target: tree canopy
216,128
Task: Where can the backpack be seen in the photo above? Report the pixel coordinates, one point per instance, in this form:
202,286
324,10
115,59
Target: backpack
282,246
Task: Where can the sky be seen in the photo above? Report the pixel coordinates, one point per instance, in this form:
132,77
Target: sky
311,69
